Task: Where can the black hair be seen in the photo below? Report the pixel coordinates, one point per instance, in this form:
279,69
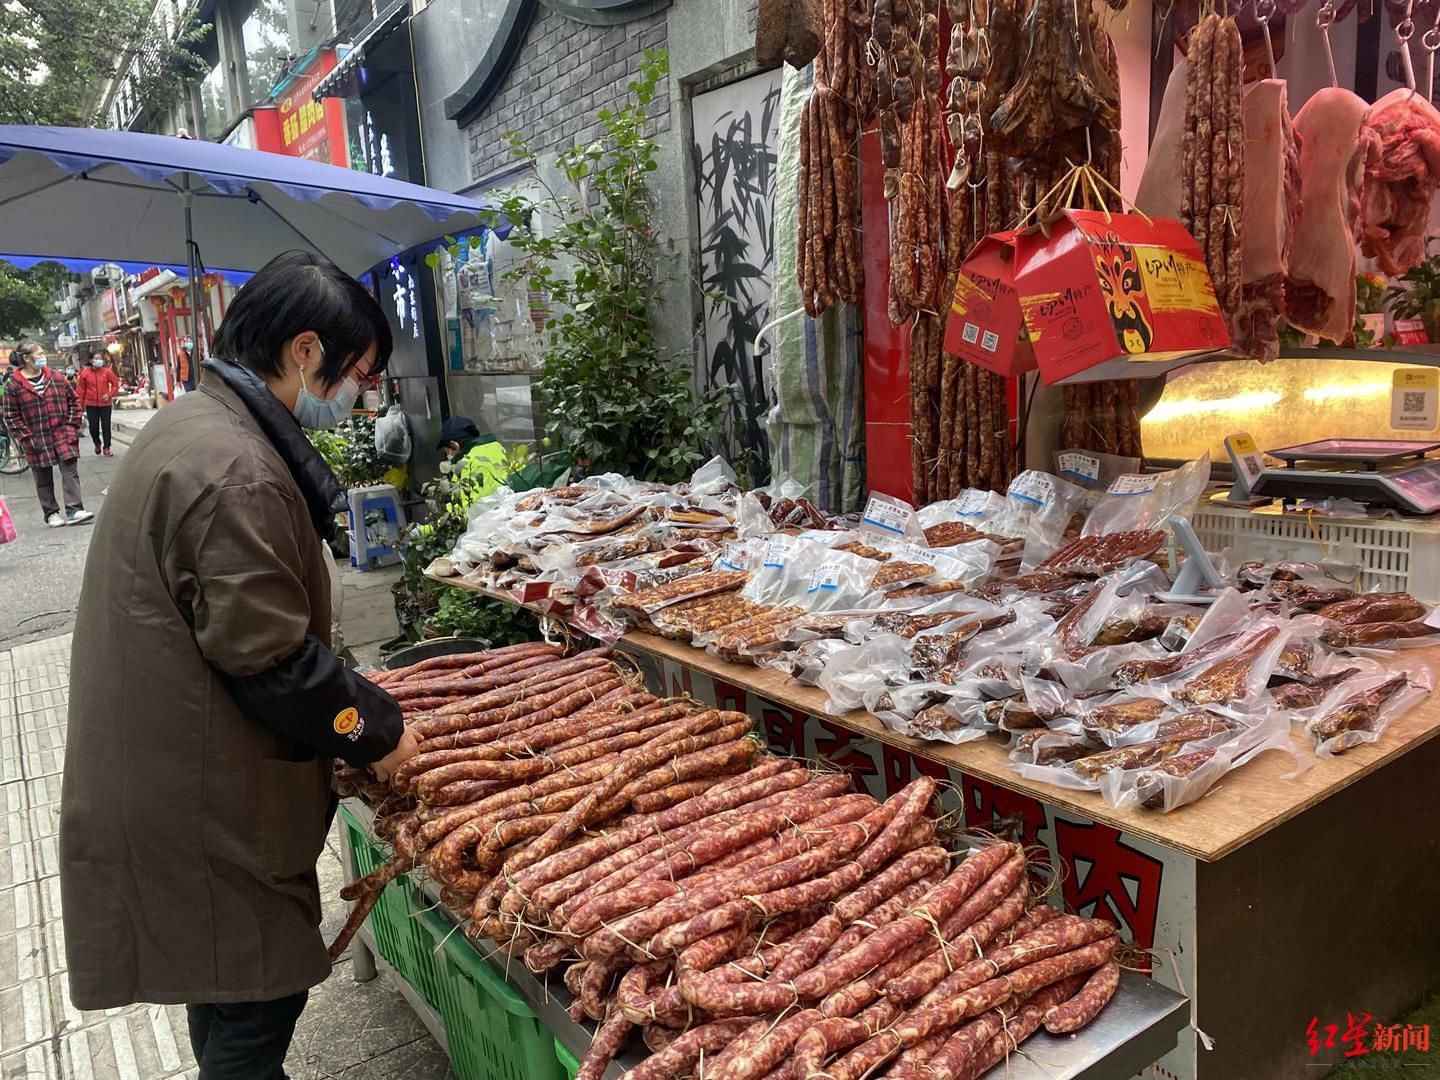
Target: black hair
26,349
295,292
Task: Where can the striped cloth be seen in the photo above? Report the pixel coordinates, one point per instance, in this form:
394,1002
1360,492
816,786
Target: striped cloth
817,427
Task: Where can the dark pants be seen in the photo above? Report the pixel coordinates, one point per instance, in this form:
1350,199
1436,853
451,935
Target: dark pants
69,482
99,417
244,1041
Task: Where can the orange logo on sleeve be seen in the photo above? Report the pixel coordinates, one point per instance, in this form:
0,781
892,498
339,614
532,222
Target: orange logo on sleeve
346,721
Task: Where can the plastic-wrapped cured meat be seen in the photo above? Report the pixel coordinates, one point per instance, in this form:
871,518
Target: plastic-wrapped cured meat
1304,695
1383,633
1374,608
1351,717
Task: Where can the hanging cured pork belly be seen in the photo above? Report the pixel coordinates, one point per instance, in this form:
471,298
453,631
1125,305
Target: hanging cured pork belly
1320,278
1272,201
1159,191
1401,139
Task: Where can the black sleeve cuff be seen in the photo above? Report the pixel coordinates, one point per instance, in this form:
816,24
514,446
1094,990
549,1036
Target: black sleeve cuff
312,699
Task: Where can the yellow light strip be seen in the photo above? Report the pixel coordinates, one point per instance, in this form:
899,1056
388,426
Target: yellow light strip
1334,391
1192,406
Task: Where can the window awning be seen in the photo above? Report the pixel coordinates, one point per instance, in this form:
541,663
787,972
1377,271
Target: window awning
381,27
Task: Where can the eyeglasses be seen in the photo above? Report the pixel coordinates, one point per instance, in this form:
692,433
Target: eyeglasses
367,379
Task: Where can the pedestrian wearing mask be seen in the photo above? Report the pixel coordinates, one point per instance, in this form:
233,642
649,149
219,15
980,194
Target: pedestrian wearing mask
96,387
209,707
42,414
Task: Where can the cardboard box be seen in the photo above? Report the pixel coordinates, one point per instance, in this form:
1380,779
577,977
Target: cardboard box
985,326
1102,287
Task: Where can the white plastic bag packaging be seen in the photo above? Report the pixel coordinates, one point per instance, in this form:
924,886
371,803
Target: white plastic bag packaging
1091,469
857,670
1192,773
1038,509
972,506
1358,710
1147,501
933,711
891,518
392,437
713,478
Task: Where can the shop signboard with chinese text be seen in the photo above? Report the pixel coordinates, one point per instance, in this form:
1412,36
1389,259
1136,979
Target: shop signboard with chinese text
303,126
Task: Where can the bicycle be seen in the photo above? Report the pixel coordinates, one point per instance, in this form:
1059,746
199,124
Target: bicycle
12,458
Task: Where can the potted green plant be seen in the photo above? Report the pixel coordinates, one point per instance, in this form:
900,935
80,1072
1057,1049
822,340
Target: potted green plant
1416,294
1369,331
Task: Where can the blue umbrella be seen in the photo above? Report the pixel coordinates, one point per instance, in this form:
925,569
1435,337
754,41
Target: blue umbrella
130,197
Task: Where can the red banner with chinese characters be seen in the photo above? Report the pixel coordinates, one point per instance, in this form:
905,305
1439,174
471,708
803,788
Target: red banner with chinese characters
304,127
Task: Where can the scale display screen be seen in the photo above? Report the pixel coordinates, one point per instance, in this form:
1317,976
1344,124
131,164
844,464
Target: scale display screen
1415,488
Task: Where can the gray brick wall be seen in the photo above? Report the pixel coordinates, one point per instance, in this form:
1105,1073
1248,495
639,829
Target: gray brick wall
565,73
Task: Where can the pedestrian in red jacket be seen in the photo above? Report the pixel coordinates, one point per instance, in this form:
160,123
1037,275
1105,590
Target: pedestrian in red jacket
42,414
96,387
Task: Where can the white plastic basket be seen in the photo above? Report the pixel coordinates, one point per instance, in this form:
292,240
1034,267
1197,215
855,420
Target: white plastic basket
1395,556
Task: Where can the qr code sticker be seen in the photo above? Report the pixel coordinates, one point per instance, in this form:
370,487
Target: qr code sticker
971,334
990,342
1414,402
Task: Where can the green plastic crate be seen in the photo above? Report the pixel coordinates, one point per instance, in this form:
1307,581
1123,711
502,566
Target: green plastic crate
397,919
567,1060
493,1034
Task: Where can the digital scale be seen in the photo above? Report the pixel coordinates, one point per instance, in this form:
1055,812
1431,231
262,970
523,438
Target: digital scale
1376,472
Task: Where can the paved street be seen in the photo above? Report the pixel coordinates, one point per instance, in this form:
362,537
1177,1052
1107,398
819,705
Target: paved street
40,571
349,1030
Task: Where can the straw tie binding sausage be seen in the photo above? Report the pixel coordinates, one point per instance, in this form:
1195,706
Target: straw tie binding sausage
943,899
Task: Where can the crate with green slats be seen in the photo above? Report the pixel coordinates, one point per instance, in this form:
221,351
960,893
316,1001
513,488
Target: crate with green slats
397,919
493,1034
568,1062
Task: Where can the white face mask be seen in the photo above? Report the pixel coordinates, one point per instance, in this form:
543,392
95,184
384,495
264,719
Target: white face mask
321,414
97,362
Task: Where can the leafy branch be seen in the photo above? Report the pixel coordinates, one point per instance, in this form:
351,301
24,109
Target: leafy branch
613,401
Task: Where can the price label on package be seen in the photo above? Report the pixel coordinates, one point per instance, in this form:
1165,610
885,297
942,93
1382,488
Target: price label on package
972,502
887,514
916,553
777,552
1081,466
1033,487
1134,484
825,577
1415,399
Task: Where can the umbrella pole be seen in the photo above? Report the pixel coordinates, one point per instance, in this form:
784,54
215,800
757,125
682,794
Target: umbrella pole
198,322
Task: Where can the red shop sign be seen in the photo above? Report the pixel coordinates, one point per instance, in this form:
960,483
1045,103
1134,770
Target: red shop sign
303,127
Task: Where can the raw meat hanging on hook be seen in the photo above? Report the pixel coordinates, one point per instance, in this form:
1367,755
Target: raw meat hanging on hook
1320,275
1400,140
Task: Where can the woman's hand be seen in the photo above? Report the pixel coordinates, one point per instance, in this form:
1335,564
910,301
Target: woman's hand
407,748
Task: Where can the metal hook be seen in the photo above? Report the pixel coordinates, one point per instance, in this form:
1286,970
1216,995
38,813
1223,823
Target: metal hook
1431,41
1404,31
1264,12
1324,19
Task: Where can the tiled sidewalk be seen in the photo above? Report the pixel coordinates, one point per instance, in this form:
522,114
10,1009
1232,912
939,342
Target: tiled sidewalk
349,1030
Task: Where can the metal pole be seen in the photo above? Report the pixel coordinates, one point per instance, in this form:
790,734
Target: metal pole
197,291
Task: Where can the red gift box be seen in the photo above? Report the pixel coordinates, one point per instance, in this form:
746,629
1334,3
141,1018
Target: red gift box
1102,287
985,324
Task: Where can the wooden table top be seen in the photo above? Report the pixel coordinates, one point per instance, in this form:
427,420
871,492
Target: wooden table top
1247,803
